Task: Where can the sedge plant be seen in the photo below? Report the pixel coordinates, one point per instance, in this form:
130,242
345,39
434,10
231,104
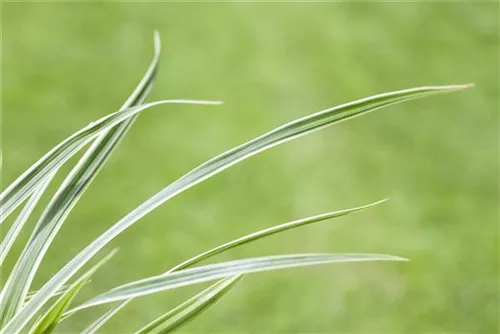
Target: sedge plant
23,310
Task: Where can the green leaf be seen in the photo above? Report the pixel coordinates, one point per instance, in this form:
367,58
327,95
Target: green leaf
214,271
61,290
93,327
51,318
194,306
146,84
23,186
102,148
54,215
214,166
267,232
23,216
66,197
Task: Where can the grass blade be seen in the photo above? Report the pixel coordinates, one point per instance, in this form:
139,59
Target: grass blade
190,308
280,135
23,186
214,271
59,292
63,201
23,216
51,318
146,84
94,327
66,197
137,97
267,232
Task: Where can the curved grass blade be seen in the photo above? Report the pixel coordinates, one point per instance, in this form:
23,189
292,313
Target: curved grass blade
94,327
51,318
146,84
214,166
214,271
190,308
67,196
267,232
19,281
103,147
24,185
59,292
23,216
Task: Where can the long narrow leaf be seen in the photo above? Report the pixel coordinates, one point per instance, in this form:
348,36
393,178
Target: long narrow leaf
96,325
194,306
23,216
115,134
67,196
144,87
61,204
23,186
51,318
280,135
267,232
214,271
59,292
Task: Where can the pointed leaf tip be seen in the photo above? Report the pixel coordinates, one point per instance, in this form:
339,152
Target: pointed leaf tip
157,41
380,201
453,88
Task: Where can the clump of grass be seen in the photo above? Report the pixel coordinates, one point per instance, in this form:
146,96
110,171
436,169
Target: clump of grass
41,312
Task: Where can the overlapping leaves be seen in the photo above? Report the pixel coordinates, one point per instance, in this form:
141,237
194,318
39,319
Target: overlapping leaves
105,134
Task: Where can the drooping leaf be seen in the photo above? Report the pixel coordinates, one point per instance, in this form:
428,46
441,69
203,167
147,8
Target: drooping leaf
24,185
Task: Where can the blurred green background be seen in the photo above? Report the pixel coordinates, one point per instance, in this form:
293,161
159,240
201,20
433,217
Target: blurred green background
66,64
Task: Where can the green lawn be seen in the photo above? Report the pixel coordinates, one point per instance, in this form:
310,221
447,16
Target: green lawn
66,64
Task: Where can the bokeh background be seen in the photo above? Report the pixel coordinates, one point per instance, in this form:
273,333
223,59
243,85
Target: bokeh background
66,64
